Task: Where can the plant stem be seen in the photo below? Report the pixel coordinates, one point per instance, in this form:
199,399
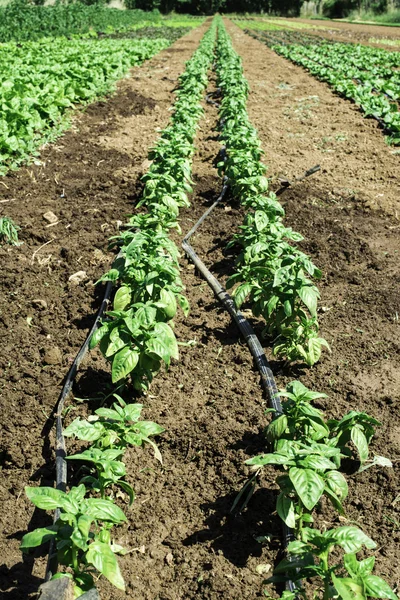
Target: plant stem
327,580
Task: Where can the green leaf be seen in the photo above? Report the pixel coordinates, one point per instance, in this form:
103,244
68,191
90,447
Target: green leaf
268,459
133,411
308,485
146,316
148,428
123,363
360,441
46,498
261,220
287,307
276,428
376,587
104,560
38,537
355,567
313,351
83,430
285,509
84,523
98,336
336,482
347,588
351,539
157,347
309,295
241,293
122,298
104,510
317,463
184,304
167,337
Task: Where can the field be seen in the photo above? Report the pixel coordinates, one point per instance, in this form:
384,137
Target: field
69,182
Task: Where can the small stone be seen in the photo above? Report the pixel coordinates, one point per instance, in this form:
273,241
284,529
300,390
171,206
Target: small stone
169,559
263,569
50,217
78,277
52,356
39,303
57,589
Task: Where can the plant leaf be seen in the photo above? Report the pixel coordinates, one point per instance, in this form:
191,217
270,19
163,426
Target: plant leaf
104,560
308,485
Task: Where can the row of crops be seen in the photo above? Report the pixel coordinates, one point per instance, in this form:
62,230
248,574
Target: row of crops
40,82
137,338
368,76
22,21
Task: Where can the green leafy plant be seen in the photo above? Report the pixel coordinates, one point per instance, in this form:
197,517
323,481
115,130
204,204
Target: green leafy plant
308,449
9,231
368,76
137,336
81,534
116,427
271,272
310,559
136,341
109,470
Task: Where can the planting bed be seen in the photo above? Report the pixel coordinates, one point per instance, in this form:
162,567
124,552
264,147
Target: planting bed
183,541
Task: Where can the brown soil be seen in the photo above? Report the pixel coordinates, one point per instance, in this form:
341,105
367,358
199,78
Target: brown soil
371,30
184,542
359,34
307,124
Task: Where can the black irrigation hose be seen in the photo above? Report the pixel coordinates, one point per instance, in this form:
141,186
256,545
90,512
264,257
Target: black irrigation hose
61,464
267,376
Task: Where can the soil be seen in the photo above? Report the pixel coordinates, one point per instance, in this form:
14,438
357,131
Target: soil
351,32
184,542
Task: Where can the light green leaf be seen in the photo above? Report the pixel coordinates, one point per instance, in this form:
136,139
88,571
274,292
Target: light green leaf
376,587
276,428
360,441
104,510
285,509
336,482
104,560
309,295
347,588
157,347
308,485
124,363
38,537
46,498
351,539
122,298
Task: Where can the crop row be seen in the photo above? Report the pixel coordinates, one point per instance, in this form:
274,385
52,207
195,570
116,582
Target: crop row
273,274
22,21
307,450
39,82
136,336
367,76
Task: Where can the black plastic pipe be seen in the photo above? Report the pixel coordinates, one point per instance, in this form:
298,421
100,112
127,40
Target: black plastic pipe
61,463
267,376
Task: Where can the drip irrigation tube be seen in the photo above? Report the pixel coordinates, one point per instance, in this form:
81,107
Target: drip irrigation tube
267,377
61,464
